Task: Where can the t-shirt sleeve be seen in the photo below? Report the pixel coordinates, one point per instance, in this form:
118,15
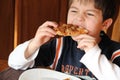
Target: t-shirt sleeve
100,66
17,59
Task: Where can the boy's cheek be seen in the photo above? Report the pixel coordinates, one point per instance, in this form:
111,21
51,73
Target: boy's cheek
69,20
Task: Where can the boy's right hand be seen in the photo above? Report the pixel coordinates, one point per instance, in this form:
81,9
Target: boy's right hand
43,35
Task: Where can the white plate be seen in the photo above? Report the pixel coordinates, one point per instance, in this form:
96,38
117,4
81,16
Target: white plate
44,74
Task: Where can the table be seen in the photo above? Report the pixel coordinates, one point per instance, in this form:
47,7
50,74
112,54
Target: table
3,64
10,74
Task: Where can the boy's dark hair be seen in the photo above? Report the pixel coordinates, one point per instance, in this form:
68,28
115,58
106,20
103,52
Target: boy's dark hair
108,7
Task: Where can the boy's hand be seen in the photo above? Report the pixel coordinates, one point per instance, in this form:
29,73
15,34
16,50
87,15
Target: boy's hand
43,35
85,42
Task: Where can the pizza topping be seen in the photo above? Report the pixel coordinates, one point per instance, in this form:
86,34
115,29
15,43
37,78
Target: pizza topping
69,30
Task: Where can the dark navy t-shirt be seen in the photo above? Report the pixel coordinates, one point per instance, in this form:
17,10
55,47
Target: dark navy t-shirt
69,60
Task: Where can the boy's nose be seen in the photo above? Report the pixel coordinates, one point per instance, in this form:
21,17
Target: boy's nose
79,20
80,17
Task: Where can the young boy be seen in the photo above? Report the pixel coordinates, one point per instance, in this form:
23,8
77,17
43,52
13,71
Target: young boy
92,54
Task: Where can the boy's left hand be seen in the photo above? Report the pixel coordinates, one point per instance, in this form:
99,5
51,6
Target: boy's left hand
85,42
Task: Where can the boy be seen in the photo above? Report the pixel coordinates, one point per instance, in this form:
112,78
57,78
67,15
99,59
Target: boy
92,54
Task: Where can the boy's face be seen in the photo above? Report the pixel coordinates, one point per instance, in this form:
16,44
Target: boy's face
87,16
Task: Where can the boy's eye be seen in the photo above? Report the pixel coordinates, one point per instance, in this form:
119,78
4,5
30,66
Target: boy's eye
74,11
90,14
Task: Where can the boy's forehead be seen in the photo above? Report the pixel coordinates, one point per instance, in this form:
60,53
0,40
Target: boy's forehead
83,1
88,5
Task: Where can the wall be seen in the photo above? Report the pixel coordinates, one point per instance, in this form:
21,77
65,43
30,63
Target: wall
116,28
19,20
6,27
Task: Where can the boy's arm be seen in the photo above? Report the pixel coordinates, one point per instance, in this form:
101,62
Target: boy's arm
17,58
100,66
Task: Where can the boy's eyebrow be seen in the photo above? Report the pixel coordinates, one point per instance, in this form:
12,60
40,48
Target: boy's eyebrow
91,10
73,7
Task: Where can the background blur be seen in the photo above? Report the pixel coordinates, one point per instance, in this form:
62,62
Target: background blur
19,20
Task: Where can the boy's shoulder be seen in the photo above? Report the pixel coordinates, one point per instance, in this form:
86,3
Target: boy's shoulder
107,42
115,44
108,46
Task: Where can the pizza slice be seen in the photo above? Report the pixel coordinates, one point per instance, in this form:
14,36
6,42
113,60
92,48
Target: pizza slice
69,30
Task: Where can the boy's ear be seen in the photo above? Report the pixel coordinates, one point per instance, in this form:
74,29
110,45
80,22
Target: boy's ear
106,24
